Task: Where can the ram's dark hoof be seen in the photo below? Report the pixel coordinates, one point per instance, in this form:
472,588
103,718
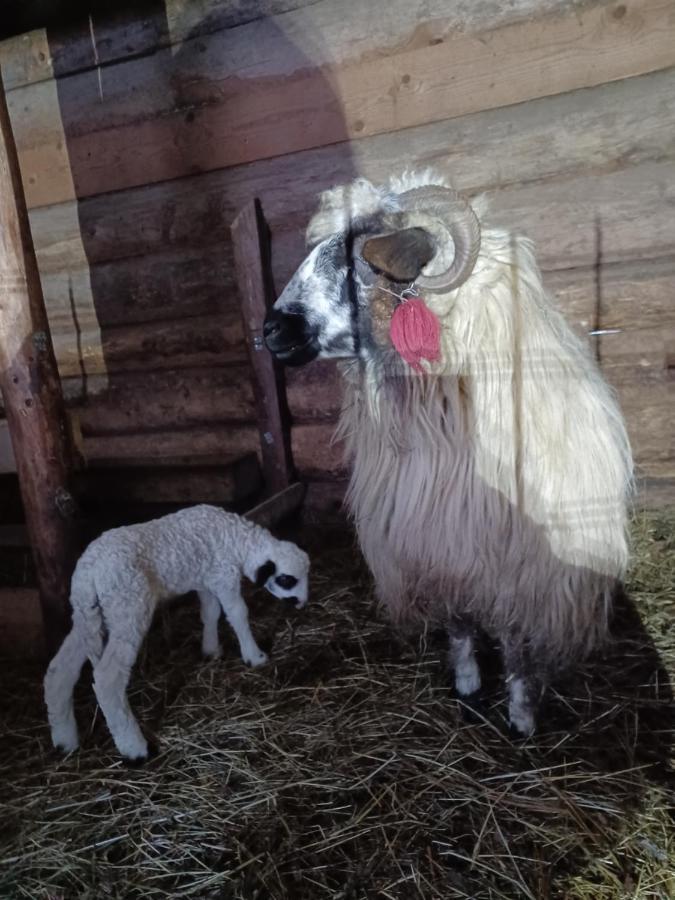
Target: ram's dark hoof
473,708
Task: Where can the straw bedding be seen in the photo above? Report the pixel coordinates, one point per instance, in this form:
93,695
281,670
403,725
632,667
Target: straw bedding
347,769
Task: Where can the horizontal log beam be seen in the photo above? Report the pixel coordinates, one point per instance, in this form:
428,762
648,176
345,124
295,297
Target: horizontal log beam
112,129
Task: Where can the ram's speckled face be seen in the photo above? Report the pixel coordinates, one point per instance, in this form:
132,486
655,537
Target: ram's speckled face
315,316
340,301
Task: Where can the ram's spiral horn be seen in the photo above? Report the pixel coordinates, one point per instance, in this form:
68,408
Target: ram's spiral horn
461,221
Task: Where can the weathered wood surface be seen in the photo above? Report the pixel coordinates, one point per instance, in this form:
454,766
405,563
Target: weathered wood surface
191,99
637,299
22,633
250,238
227,483
589,137
153,256
32,393
37,55
278,506
143,401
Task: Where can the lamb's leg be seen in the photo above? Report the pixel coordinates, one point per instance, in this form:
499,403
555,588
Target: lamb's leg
209,608
236,613
462,656
60,680
111,677
526,686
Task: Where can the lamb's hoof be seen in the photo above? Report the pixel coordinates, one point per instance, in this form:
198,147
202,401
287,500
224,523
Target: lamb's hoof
65,749
521,724
212,655
133,752
257,660
134,762
65,741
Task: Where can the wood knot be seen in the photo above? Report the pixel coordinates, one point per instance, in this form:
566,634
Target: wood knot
65,503
40,341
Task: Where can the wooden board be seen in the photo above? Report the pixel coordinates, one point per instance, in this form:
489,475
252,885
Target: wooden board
278,506
228,483
250,237
85,44
119,136
137,402
21,623
589,136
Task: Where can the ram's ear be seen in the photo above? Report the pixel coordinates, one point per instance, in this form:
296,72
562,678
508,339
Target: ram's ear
400,255
264,572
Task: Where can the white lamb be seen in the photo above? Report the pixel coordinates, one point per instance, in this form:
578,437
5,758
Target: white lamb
119,581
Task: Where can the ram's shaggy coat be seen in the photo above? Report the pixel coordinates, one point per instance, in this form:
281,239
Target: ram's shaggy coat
494,486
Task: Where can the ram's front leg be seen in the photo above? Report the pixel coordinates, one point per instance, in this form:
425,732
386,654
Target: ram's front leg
526,685
462,656
236,613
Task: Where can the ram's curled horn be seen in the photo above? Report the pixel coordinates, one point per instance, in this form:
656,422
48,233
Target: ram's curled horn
460,220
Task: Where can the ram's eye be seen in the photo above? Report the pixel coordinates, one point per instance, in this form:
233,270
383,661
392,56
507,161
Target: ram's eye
286,581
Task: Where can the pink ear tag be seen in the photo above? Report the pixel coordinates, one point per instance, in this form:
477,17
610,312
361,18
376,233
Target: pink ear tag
415,332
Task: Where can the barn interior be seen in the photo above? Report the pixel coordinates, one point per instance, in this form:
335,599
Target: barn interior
170,154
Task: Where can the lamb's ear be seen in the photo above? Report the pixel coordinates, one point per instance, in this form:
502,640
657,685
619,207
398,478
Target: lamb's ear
400,255
264,572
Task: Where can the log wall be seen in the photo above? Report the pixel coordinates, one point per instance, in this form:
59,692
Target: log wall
140,140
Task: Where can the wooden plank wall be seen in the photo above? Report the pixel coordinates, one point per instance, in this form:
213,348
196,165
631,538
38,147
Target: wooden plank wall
139,141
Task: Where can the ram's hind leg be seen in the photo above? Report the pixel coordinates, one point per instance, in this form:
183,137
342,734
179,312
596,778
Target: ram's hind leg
462,656
525,683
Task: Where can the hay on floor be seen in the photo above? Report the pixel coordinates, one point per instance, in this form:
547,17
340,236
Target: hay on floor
347,768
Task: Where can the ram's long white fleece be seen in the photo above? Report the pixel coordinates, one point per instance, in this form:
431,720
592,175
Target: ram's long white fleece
126,572
496,485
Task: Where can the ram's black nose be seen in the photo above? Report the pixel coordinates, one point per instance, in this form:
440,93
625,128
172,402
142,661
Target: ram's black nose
272,327
290,338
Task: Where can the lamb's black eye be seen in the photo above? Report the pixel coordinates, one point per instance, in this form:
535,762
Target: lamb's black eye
286,581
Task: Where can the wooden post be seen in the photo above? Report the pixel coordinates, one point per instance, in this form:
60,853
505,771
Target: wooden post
31,389
250,237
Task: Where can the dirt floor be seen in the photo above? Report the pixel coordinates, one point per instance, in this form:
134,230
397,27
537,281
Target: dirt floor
347,769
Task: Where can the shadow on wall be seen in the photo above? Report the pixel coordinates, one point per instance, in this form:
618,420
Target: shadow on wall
159,257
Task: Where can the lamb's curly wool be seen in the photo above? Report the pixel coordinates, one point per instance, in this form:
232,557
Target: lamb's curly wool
126,572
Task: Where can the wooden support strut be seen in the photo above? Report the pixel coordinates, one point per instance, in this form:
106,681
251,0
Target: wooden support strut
250,237
31,389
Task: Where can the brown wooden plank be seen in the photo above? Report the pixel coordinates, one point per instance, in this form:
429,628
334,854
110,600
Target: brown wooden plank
278,506
22,633
251,257
324,501
317,456
655,493
32,393
189,444
314,392
228,484
152,346
36,56
588,134
113,129
146,401
169,284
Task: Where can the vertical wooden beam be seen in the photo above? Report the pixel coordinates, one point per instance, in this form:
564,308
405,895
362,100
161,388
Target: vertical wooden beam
250,237
32,394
